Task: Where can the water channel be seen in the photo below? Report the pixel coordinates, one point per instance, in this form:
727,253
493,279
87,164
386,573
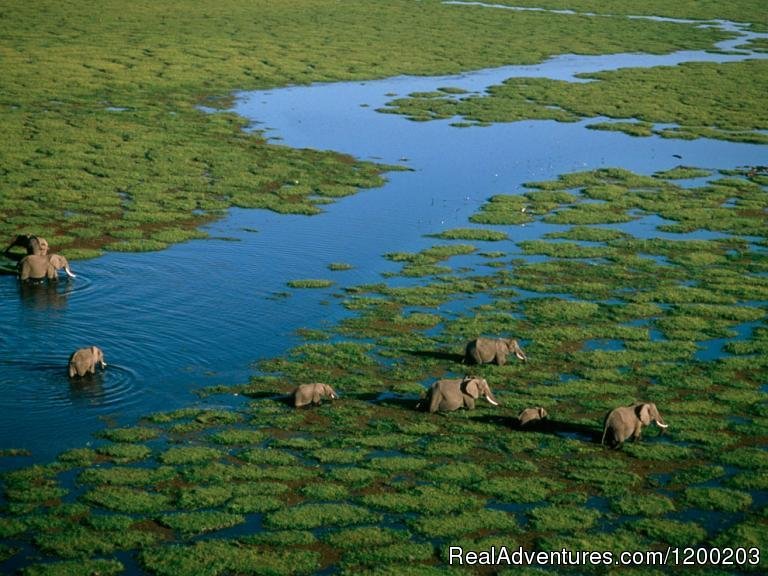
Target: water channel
200,313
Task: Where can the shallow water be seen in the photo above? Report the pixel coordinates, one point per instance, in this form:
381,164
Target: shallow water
200,313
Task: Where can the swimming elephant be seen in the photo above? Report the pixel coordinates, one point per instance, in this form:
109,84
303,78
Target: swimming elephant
487,350
31,243
312,394
84,361
448,395
628,421
530,415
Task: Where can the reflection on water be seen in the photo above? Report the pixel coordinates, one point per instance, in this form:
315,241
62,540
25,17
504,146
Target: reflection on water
45,295
200,313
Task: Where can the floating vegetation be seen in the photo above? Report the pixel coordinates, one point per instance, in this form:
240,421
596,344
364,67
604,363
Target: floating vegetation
657,95
310,283
339,266
478,234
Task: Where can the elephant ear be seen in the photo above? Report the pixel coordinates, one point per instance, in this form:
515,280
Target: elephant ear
317,393
643,412
470,387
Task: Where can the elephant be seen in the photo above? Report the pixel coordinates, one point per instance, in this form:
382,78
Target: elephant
59,262
39,267
448,395
312,394
31,243
628,421
36,268
487,350
84,361
531,415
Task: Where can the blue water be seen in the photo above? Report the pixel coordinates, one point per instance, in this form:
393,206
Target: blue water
202,312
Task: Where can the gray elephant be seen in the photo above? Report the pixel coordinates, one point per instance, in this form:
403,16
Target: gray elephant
448,395
84,361
487,350
628,421
530,415
312,394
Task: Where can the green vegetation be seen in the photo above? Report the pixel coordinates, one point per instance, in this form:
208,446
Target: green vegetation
138,165
478,234
310,283
694,96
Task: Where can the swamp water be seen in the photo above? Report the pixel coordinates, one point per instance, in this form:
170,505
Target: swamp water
200,313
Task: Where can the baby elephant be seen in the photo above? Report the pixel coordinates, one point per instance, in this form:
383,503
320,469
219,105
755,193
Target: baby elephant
312,394
448,395
84,361
628,421
487,350
531,415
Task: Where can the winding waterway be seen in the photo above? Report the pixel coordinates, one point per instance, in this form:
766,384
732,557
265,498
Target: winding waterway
200,313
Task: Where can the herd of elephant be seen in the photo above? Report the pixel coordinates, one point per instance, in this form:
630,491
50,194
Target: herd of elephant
38,266
621,424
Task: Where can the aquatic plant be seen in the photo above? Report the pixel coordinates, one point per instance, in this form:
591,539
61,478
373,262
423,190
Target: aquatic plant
310,283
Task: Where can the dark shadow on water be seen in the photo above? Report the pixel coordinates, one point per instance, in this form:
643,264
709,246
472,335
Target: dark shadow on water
436,354
88,388
569,430
405,402
45,295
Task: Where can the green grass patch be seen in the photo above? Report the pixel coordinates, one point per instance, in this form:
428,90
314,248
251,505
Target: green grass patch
190,455
474,234
128,500
191,523
726,499
308,516
219,557
464,524
310,283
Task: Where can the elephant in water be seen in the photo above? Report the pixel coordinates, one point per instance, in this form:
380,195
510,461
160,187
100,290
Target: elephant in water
60,263
84,361
531,415
448,395
487,350
628,421
39,267
312,394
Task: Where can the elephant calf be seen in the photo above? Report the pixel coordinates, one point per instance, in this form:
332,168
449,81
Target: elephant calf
530,415
312,394
628,421
448,395
488,350
84,361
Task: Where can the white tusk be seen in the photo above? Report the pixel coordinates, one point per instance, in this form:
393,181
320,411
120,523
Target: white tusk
660,425
491,401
